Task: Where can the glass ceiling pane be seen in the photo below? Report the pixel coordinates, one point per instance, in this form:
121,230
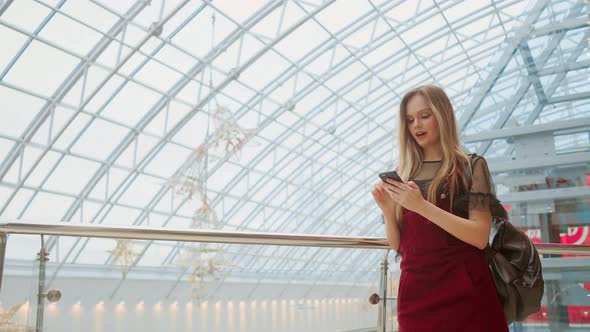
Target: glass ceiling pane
340,14
301,41
94,15
158,76
342,78
403,12
33,63
79,40
26,14
127,108
47,207
96,251
155,254
71,175
195,37
171,55
12,42
308,168
167,161
422,30
141,191
14,122
67,126
264,70
121,215
95,144
13,208
105,93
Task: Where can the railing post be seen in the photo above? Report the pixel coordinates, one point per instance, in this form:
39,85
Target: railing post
41,289
382,324
3,239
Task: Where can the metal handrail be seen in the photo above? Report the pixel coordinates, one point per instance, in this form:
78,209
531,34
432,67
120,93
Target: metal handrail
191,235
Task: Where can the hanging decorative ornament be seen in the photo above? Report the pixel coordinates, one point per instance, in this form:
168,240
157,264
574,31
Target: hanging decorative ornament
205,217
230,136
192,180
205,264
124,255
6,320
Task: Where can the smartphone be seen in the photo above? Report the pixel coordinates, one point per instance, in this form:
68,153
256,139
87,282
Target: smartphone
390,175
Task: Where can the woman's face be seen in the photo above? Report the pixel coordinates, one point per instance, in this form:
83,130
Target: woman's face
420,120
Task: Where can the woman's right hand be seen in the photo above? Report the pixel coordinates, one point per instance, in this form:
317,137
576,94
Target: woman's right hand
382,198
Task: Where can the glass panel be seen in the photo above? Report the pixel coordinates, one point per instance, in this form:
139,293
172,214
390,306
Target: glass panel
95,144
127,108
303,40
404,12
167,161
80,39
25,14
264,71
32,63
566,303
92,14
18,302
192,286
71,175
13,207
15,122
46,207
339,14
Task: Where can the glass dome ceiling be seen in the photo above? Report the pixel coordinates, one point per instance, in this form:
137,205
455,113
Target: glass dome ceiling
277,113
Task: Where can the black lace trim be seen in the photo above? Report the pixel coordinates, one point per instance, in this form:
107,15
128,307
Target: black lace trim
482,200
472,200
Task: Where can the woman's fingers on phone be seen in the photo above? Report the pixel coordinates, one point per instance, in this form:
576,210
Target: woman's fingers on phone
380,189
374,191
390,186
377,189
392,182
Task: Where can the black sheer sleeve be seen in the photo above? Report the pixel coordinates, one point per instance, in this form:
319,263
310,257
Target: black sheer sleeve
481,194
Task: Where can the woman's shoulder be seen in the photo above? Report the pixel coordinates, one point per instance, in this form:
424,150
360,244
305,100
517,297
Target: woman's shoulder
473,156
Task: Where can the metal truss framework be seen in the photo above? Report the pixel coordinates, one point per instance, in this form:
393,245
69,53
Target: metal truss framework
335,129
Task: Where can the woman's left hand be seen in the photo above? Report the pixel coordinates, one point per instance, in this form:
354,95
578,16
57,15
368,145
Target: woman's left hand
406,194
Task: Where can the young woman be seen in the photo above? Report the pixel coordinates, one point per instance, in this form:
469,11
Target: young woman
439,223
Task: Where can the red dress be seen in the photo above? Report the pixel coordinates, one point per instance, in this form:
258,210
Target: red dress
445,284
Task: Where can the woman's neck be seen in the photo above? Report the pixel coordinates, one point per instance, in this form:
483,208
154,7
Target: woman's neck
431,155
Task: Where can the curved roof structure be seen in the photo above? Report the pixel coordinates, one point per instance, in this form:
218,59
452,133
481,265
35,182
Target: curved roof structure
269,116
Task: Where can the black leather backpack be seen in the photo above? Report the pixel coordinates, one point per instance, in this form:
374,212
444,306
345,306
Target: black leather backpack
515,268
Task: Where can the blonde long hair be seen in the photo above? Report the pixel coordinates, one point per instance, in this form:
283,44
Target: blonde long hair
411,155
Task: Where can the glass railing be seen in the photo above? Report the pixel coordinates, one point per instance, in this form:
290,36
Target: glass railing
566,301
559,222
101,278
122,279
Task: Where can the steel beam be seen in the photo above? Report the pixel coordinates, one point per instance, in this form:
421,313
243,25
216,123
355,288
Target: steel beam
503,165
568,98
549,128
508,49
